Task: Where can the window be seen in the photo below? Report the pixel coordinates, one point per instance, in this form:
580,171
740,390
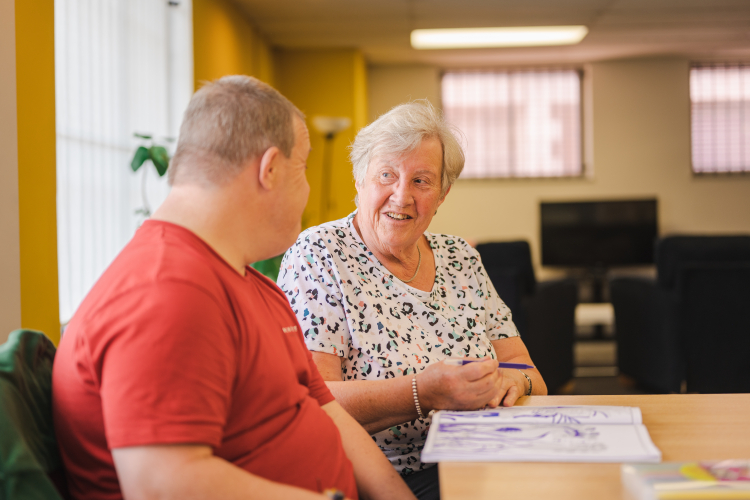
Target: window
720,112
517,123
121,67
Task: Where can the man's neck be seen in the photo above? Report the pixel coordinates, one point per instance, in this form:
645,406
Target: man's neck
208,213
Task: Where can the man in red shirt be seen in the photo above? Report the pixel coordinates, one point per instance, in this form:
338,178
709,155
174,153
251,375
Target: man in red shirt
183,373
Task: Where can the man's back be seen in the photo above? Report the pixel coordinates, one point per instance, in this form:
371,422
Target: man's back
173,346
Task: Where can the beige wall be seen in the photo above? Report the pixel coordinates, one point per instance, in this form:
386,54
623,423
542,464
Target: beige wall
10,266
639,141
392,85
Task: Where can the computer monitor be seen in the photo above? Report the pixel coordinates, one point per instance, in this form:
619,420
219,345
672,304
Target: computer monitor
598,234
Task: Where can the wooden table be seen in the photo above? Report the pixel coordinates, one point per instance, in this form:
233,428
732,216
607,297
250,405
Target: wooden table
683,427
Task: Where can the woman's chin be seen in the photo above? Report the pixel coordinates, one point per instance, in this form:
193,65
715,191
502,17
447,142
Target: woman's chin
398,241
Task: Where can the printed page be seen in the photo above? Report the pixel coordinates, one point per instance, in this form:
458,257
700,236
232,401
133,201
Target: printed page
496,441
549,415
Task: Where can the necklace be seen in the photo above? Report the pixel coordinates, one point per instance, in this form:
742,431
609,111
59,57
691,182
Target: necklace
419,262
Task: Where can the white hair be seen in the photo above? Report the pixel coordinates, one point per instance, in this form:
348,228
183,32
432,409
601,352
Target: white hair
400,131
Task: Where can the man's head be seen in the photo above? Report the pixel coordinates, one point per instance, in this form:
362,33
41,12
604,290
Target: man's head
228,123
239,173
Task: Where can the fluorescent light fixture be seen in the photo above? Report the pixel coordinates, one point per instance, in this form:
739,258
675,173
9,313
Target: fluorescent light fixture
469,38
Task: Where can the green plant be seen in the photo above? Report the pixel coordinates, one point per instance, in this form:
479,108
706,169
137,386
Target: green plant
158,156
269,267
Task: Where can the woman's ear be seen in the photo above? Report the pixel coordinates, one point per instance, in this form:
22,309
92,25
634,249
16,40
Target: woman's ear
268,173
442,198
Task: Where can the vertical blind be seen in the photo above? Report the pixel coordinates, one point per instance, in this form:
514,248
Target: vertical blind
720,117
517,123
121,67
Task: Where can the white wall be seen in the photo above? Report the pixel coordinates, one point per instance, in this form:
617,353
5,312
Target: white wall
10,270
639,139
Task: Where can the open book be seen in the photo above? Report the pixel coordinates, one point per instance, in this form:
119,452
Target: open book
540,434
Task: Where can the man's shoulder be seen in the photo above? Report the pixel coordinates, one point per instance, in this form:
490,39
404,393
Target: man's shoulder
158,256
166,252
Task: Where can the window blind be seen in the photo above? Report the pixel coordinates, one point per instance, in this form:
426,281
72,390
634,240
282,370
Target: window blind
720,117
516,123
121,67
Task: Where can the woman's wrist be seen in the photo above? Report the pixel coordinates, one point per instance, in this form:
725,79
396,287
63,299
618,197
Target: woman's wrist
526,385
423,393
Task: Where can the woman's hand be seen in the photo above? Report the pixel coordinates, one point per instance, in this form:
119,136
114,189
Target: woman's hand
380,404
514,386
467,387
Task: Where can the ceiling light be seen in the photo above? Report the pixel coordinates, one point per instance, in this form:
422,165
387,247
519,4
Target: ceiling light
469,38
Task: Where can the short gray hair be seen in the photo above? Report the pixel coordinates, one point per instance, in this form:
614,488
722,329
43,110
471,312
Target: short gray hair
400,131
228,122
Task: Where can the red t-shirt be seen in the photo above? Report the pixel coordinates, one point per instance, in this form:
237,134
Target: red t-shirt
172,345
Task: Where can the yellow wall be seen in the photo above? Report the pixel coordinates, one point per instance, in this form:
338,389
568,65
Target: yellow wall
638,138
35,81
329,83
225,42
319,82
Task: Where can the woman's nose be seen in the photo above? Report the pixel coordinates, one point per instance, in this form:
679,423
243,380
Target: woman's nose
402,192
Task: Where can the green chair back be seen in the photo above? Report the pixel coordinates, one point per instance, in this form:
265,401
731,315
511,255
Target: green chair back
28,449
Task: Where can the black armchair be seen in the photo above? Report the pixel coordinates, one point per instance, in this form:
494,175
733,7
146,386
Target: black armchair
691,324
544,312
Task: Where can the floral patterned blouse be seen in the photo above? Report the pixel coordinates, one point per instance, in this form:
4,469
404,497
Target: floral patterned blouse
350,305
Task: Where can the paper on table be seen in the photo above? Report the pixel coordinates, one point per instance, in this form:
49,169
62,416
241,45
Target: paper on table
550,415
567,434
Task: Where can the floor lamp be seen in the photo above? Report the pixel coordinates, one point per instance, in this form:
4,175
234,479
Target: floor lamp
329,126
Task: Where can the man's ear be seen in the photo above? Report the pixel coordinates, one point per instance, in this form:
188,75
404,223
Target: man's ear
268,172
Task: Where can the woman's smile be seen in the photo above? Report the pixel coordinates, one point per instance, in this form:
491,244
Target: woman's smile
398,216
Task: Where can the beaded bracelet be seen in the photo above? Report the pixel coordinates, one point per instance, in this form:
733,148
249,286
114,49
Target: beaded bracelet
416,398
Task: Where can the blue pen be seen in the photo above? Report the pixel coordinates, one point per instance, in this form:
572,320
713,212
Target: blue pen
463,361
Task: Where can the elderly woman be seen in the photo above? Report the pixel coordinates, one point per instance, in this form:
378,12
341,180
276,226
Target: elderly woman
382,302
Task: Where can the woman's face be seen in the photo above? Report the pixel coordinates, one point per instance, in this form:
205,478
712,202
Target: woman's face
399,196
